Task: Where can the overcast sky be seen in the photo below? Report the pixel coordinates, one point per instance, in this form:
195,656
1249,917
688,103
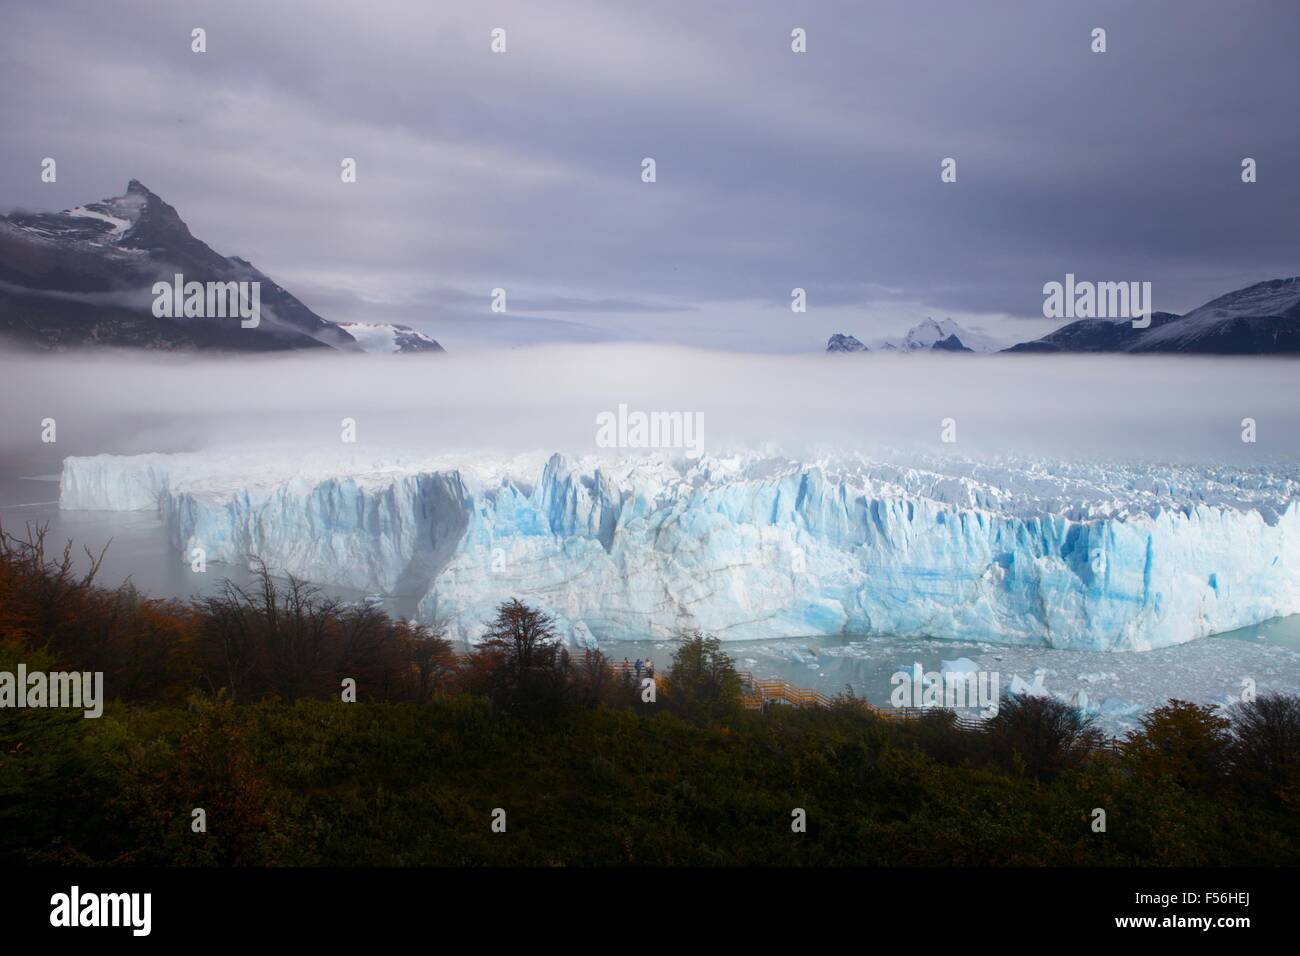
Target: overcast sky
821,170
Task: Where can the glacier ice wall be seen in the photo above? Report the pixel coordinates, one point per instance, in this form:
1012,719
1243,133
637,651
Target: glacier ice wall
749,547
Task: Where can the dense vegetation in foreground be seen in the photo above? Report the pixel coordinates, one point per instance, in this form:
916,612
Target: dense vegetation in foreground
234,704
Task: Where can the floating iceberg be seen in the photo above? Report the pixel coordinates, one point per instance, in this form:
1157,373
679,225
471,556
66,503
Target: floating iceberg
749,546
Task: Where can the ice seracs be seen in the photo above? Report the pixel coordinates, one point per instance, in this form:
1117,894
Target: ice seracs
748,546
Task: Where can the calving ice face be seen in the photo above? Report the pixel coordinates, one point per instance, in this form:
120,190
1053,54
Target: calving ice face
37,689
840,545
209,300
634,429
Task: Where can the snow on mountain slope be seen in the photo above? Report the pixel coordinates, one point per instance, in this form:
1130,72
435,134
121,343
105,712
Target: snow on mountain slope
1262,318
1274,297
97,223
117,227
84,277
844,343
1021,552
1096,335
929,334
385,338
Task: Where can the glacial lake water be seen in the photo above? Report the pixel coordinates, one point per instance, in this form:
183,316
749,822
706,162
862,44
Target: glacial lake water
1118,687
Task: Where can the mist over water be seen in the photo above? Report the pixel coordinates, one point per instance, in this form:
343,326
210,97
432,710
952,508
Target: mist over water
1092,408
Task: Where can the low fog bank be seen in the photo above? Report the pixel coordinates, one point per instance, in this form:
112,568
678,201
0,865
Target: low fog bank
1174,409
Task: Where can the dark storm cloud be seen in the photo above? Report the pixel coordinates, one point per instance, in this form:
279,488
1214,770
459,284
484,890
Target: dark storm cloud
775,170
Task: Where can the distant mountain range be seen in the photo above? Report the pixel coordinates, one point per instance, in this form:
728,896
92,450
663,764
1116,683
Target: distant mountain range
84,277
1262,319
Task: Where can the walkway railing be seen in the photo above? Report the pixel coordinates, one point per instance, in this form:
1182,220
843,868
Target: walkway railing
757,692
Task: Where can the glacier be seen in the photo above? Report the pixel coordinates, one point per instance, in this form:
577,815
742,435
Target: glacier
747,545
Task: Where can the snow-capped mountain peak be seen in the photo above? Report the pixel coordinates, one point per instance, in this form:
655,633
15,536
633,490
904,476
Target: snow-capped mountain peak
927,332
927,335
110,221
111,253
386,338
945,335
840,342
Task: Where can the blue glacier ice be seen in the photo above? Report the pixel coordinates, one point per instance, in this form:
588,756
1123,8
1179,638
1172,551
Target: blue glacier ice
748,546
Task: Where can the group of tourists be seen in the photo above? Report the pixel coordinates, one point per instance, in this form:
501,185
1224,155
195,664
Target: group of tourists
648,666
